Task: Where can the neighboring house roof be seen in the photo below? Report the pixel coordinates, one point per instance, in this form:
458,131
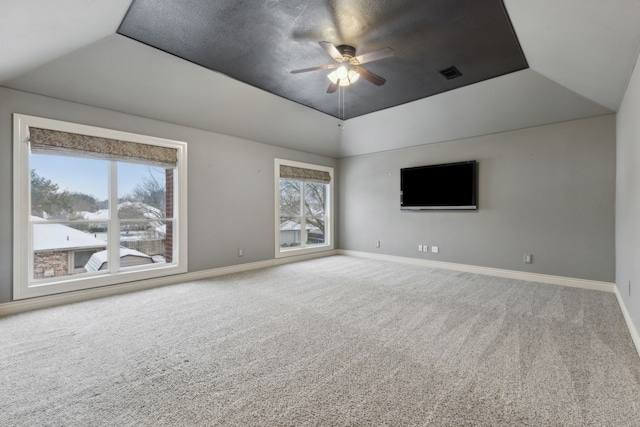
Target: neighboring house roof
99,215
128,258
294,226
48,237
149,212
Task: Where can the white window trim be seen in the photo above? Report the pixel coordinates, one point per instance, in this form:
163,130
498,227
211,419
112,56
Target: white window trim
329,245
23,241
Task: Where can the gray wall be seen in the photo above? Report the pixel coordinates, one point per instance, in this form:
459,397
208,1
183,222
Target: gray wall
231,191
548,191
628,199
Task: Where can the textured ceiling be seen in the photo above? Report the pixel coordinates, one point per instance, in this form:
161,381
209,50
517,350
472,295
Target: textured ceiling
261,43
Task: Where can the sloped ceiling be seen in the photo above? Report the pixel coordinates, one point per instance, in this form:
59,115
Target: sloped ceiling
580,54
34,32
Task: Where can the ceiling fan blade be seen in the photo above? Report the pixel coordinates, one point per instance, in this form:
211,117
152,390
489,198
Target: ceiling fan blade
320,67
332,88
371,77
374,56
332,51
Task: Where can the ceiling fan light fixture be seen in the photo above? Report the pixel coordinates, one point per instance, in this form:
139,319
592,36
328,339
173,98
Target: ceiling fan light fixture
346,66
333,76
353,76
342,72
343,76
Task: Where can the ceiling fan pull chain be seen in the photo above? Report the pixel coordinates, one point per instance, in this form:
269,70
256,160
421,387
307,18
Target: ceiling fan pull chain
341,94
341,102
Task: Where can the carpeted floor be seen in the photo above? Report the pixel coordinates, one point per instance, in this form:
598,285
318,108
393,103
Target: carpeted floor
334,341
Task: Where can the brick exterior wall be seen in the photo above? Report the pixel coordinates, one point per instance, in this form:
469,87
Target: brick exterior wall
58,261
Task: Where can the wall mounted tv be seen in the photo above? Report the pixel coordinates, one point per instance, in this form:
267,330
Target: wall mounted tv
451,186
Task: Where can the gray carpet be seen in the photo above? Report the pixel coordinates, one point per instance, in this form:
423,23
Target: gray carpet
334,341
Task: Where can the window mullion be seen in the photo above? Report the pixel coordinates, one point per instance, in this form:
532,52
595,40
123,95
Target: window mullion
327,215
303,218
113,227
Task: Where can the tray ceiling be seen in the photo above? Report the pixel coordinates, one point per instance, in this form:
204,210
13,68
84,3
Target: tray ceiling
261,43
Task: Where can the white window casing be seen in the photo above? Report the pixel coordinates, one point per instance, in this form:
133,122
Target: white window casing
169,153
304,172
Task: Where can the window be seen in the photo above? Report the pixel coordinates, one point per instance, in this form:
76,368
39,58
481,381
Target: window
80,259
94,207
303,208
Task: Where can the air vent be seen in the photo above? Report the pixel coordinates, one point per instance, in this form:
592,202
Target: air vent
450,73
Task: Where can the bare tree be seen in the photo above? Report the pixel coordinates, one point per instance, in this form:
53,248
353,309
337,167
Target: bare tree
313,204
290,193
149,197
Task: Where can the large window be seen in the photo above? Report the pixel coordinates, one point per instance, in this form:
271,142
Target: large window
303,207
94,207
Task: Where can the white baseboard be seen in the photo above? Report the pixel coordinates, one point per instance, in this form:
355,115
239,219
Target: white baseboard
498,272
20,306
627,318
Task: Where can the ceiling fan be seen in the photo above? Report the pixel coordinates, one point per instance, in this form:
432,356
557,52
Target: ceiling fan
347,65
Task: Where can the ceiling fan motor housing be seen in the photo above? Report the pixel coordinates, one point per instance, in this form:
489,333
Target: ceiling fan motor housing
346,50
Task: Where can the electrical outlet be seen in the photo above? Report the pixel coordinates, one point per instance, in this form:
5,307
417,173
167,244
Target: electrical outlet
435,249
240,252
377,243
527,259
419,248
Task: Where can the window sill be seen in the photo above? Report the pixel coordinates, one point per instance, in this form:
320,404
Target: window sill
39,289
282,253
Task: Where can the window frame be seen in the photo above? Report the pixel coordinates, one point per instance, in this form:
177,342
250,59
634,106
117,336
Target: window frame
329,225
23,284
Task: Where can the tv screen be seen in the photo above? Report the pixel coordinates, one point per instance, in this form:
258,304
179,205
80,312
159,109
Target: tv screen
451,186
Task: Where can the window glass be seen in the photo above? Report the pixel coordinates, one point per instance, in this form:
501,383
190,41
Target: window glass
290,235
314,210
64,249
290,197
67,188
142,191
64,212
146,240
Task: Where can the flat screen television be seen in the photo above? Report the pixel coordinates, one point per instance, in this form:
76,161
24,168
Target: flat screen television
451,186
